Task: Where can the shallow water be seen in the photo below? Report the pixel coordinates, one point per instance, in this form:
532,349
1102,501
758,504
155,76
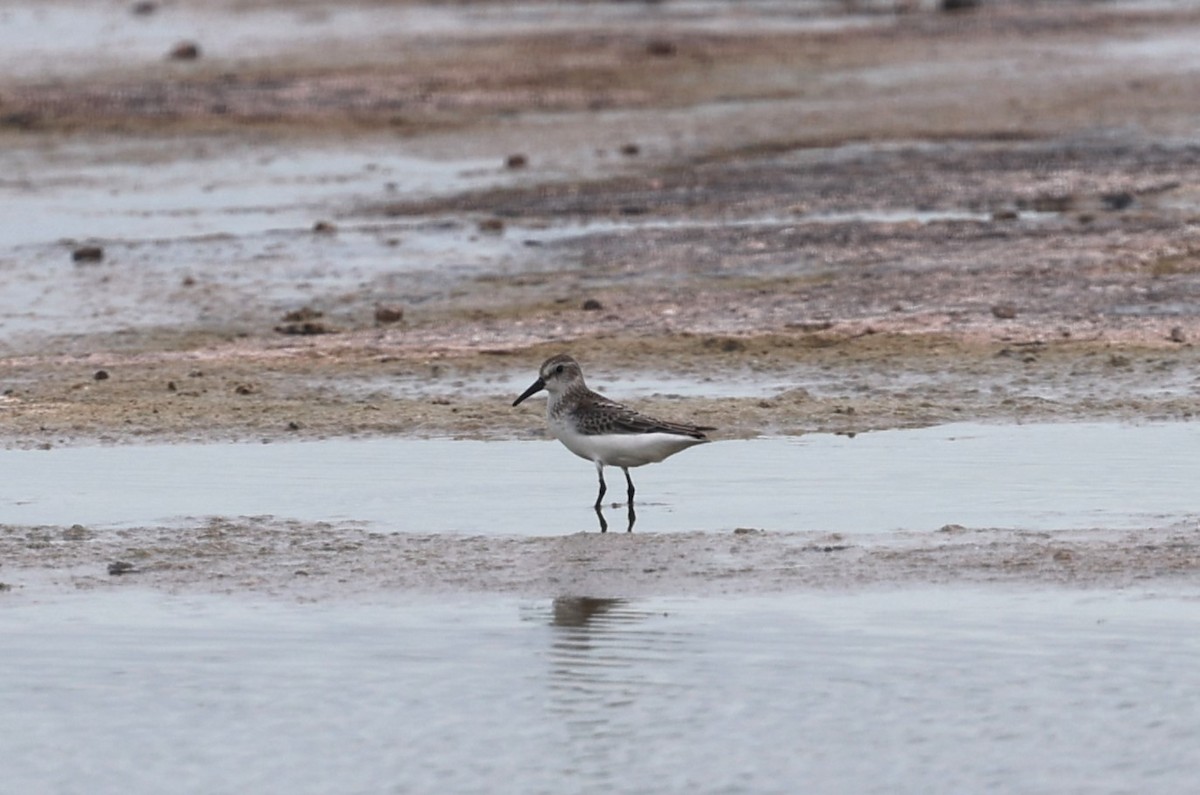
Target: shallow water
1033,477
948,690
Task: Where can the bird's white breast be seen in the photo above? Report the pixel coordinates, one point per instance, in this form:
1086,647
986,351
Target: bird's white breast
620,449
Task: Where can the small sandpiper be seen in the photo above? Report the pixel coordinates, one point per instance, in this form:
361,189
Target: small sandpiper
603,431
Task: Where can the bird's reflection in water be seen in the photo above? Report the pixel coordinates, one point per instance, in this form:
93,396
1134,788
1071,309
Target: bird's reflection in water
631,516
608,661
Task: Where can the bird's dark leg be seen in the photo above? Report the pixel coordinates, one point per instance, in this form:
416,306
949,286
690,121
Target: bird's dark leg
600,516
629,481
632,518
603,487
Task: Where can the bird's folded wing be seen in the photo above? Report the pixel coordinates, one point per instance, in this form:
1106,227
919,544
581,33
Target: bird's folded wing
615,418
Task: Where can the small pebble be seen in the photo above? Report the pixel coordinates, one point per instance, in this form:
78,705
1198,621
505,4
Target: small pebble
121,567
385,315
100,375
184,51
88,254
592,305
660,48
1004,311
1177,334
516,161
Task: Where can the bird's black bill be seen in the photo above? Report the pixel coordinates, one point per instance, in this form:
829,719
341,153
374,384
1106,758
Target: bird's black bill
534,388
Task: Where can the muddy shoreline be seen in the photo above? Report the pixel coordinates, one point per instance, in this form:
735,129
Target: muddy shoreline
872,217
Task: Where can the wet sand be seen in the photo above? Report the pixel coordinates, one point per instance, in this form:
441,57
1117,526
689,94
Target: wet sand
865,219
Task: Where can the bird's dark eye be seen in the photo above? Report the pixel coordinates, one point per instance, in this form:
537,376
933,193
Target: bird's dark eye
558,369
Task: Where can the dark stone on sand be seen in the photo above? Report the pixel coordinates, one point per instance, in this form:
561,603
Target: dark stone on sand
1177,335
304,321
959,5
120,567
100,375
516,161
324,228
592,305
660,48
630,150
144,8
88,254
308,327
1052,203
184,51
493,226
1120,200
302,314
1004,311
386,315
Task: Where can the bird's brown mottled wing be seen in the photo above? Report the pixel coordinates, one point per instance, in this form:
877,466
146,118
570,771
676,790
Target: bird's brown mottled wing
601,416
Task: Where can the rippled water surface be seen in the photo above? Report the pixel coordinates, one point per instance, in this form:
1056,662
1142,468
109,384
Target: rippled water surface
913,691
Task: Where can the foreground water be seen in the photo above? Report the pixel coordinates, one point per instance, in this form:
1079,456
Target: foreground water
947,690
1033,477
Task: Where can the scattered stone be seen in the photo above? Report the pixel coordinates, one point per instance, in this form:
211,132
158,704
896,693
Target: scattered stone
746,531
302,314
324,228
1051,203
516,161
492,226
660,48
144,8
188,281
386,315
630,150
1118,201
88,254
305,328
171,386
725,344
1177,335
952,528
592,305
76,532
294,426
1063,555
1117,360
244,389
1005,215
1004,311
184,51
121,567
100,375
960,5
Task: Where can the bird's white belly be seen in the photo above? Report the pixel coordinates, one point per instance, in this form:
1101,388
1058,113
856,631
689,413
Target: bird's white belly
622,449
